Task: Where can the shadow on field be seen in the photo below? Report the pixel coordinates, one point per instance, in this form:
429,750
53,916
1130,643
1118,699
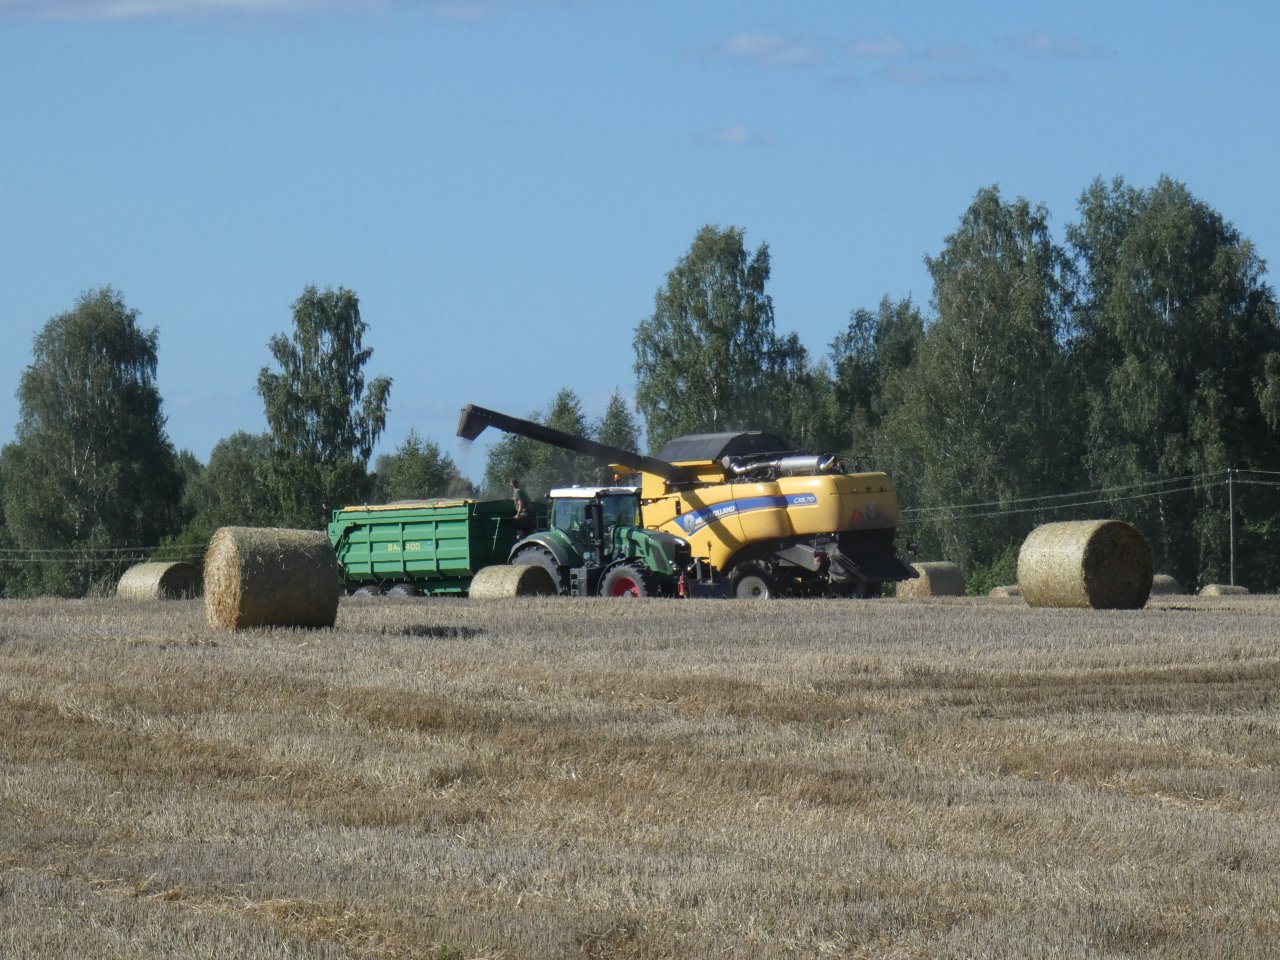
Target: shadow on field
435,633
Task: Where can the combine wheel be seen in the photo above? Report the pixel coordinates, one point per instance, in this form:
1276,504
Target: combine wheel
624,580
751,581
538,557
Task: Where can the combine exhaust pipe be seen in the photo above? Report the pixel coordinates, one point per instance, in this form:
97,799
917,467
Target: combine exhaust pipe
797,465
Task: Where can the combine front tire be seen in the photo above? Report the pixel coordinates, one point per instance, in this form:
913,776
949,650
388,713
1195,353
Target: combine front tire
751,581
625,580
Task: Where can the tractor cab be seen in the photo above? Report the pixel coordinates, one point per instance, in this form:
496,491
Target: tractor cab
587,516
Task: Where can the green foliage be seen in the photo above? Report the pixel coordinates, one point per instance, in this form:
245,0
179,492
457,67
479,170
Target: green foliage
1176,339
708,359
618,427
91,466
999,571
869,359
235,488
323,419
1268,387
418,470
985,411
806,413
538,466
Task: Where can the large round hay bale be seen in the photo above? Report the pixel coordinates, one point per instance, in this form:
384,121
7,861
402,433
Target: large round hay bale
508,582
159,581
270,577
1164,585
938,578
1103,564
1222,590
1012,590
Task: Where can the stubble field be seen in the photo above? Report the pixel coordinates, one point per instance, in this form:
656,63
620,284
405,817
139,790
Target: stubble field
450,779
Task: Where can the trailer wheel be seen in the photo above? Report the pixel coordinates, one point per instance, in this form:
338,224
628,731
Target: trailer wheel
368,590
751,581
538,557
624,580
404,590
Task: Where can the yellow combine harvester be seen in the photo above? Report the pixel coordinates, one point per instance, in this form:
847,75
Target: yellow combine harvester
767,520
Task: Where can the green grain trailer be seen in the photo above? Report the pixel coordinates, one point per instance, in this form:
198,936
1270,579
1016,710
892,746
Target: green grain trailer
428,546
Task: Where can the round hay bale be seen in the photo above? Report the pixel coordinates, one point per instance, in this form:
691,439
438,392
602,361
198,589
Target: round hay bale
508,582
939,578
1013,590
159,581
1102,564
1222,590
1165,585
270,577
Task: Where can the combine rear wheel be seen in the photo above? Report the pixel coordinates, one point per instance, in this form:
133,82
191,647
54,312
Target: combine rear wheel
751,581
624,580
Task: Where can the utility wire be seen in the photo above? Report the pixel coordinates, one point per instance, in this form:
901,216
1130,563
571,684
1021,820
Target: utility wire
1043,508
1191,478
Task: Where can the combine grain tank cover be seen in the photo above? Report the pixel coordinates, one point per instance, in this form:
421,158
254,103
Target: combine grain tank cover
696,447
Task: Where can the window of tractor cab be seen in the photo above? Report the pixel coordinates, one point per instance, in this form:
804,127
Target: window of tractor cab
621,512
568,514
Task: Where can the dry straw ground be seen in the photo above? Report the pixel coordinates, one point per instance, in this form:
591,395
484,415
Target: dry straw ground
571,778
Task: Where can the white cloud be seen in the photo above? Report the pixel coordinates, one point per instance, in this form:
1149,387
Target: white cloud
882,48
768,50
914,76
1049,46
737,136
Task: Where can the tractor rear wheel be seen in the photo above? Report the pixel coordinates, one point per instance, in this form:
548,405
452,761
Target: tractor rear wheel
538,557
625,580
751,581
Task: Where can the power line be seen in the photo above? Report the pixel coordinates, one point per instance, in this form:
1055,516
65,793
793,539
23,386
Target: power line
960,515
1191,480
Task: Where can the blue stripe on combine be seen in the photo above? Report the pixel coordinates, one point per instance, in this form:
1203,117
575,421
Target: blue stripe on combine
692,522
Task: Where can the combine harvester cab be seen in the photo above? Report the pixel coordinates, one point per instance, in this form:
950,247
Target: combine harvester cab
767,520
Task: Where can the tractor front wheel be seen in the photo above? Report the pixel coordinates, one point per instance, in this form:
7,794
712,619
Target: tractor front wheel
624,580
538,557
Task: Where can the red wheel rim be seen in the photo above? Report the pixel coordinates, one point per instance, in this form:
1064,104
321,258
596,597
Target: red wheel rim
624,587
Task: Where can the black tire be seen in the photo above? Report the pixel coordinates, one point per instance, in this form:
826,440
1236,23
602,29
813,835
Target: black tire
368,590
751,581
625,580
539,557
404,590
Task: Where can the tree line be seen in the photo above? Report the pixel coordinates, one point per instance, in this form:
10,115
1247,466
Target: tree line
1131,370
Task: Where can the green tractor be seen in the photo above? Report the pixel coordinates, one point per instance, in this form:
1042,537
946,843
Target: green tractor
596,545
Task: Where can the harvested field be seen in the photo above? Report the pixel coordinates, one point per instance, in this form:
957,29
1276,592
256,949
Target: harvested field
583,778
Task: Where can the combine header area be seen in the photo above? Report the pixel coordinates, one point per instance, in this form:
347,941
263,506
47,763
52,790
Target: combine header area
765,519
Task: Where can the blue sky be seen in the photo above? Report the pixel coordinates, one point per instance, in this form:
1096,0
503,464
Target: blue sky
505,183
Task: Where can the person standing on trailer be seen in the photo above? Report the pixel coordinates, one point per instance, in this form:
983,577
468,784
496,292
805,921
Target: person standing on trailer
524,510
